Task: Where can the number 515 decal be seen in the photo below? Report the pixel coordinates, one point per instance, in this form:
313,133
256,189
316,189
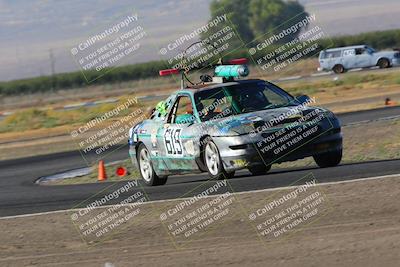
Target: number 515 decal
173,143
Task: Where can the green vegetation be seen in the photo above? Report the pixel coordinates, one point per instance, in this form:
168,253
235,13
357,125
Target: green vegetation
81,79
256,17
378,39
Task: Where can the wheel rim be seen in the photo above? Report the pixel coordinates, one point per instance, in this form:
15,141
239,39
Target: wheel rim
145,165
212,158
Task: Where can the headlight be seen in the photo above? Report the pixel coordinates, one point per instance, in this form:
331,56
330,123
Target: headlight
329,114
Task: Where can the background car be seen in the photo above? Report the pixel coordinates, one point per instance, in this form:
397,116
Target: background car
361,56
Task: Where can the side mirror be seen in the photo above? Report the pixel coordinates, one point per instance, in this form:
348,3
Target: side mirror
303,99
185,119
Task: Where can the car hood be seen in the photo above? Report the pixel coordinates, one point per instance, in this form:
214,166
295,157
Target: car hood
385,53
248,122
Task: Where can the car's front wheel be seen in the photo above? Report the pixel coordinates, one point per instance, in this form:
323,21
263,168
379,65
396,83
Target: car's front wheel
214,163
329,159
146,169
383,63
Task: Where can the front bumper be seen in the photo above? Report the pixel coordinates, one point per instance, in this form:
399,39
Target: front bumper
132,155
240,152
396,62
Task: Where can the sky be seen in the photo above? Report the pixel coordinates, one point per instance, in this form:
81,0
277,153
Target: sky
31,30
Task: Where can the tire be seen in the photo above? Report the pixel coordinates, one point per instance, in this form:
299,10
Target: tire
230,175
146,169
383,63
338,69
329,159
260,169
213,162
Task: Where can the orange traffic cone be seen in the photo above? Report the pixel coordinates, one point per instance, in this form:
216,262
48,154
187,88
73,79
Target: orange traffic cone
389,102
102,176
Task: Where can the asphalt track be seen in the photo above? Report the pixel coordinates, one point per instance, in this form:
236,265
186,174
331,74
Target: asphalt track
20,195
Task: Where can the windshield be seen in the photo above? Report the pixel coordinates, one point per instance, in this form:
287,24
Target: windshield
370,50
242,98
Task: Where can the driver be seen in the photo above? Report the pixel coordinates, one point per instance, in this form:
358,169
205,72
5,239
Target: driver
254,99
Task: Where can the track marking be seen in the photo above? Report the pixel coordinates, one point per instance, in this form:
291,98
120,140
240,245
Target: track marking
395,117
236,193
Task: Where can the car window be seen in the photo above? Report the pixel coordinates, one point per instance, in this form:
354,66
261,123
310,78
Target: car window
349,52
213,104
183,106
331,54
361,51
370,50
275,98
242,98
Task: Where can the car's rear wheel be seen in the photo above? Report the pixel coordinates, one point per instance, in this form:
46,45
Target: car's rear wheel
329,159
146,169
383,63
259,169
338,69
213,162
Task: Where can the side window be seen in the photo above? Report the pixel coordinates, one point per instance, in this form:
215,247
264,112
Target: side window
333,54
337,53
182,106
349,53
360,51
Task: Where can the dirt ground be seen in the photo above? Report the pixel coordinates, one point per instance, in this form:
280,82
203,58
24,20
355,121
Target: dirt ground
357,224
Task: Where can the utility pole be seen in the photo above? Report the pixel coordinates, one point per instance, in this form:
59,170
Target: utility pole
52,68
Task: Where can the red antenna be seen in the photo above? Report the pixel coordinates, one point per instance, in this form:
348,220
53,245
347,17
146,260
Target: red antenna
238,61
168,72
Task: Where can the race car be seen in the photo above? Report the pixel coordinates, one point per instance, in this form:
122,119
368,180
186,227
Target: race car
227,123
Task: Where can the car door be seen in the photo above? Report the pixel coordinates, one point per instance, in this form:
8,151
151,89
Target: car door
178,136
363,58
330,58
349,58
152,135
